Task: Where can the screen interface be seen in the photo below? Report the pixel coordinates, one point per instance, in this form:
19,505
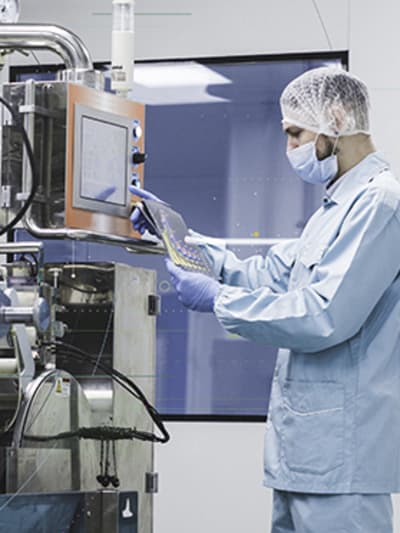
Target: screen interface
103,161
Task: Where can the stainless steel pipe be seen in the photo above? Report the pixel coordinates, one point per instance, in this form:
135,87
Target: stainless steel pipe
49,37
38,315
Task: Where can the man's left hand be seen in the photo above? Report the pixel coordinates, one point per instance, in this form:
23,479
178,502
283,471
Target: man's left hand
196,291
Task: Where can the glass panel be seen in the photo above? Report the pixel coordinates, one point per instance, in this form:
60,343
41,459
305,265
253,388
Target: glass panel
65,512
217,155
110,141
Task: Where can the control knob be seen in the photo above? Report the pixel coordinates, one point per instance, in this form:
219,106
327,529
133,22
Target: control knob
138,158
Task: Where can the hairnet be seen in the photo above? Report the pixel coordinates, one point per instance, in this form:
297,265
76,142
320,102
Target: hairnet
327,100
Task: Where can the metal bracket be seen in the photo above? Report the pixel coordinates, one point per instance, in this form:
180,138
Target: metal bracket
5,196
151,482
38,110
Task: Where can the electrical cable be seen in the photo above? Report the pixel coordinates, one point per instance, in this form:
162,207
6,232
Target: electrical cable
103,433
31,159
38,467
109,432
124,382
101,366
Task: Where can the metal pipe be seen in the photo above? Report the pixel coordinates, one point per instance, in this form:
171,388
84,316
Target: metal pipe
38,315
50,37
16,315
132,245
21,247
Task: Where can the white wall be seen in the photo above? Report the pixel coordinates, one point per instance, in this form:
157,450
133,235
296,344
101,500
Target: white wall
182,28
211,473
211,480
374,43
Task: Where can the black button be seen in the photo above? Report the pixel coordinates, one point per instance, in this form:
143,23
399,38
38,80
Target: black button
139,158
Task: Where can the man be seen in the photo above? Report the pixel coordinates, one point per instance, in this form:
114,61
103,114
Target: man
331,301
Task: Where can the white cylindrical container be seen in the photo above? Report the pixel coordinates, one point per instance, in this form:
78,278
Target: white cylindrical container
123,46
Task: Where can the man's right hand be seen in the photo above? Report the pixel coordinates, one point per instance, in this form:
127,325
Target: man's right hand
139,222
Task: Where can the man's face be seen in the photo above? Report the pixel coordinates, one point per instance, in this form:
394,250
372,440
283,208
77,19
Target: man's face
298,136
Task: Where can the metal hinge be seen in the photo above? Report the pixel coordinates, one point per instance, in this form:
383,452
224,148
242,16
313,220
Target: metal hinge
154,305
5,196
151,482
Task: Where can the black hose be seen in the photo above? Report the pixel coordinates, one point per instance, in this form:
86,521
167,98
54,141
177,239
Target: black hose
73,351
31,158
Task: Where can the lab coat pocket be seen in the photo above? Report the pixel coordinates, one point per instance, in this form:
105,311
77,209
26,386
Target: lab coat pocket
313,426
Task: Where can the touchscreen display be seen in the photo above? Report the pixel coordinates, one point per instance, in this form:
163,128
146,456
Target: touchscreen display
103,161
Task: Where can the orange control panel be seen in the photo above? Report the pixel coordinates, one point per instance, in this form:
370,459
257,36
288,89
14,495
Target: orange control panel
105,153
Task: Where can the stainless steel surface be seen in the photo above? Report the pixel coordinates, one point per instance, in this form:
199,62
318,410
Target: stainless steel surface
13,315
5,196
134,355
133,245
21,247
38,470
53,403
99,394
47,133
38,315
99,303
50,37
90,78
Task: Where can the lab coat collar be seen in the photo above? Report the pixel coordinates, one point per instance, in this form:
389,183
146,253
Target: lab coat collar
355,178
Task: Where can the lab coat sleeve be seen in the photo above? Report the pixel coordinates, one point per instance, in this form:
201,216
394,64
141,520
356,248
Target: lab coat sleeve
343,288
272,271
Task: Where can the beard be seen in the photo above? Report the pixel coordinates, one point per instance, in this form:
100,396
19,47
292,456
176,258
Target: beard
325,147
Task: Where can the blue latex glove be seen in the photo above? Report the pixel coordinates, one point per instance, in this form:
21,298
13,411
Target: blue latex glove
106,193
196,291
139,223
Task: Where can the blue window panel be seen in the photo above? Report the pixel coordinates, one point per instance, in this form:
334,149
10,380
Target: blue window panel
220,161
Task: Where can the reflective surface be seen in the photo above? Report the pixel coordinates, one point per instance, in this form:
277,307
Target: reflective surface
217,155
69,512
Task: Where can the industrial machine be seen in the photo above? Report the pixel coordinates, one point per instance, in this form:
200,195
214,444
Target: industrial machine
77,340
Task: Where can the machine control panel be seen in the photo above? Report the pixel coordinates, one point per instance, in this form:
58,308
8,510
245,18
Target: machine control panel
105,155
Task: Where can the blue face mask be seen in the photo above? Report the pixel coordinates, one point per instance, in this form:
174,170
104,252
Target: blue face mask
309,168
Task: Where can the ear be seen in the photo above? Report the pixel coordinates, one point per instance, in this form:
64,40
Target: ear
338,118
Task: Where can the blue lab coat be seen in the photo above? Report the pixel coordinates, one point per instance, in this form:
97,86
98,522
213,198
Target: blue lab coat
331,301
